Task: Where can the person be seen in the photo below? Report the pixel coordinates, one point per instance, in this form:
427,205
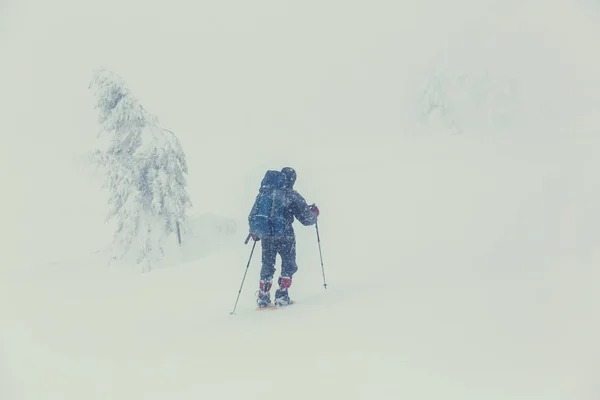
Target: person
295,208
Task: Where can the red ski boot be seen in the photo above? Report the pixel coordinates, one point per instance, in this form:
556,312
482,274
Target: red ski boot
281,295
264,296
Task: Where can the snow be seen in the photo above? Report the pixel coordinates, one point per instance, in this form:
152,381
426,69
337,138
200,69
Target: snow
459,266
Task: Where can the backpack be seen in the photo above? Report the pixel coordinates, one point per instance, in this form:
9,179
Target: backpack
267,217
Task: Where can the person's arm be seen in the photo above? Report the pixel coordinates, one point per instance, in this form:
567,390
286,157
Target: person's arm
307,215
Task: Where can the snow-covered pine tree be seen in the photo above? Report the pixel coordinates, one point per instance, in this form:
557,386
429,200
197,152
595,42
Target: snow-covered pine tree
436,104
145,169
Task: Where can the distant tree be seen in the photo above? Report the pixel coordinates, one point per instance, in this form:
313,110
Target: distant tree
436,102
468,100
145,171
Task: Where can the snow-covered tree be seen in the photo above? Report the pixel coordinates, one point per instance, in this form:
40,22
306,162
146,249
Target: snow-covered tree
145,169
435,103
468,100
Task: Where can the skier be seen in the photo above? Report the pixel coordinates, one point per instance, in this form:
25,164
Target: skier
294,206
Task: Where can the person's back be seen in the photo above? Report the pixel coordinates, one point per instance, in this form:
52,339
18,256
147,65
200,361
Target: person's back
282,243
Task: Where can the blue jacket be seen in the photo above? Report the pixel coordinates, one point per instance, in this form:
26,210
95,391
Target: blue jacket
297,208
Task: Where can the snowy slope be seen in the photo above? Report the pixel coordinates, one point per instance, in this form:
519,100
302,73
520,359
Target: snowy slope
472,275
459,266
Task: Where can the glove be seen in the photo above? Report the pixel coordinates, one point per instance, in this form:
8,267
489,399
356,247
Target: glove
315,210
254,237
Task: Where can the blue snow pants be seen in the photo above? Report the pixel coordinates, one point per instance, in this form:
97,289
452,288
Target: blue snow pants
286,248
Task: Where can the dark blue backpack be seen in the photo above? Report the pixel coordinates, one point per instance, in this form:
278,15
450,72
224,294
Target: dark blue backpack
267,217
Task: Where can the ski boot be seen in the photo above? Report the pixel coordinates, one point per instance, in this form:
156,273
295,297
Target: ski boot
281,295
264,297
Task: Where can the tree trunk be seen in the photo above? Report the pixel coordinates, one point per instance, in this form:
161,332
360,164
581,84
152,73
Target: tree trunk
178,233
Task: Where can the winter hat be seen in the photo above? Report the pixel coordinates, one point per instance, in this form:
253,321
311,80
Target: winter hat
290,176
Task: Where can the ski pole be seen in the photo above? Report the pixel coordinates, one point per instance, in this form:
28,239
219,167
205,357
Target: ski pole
243,279
321,254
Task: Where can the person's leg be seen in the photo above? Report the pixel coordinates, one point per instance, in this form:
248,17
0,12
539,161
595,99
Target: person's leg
287,251
269,255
